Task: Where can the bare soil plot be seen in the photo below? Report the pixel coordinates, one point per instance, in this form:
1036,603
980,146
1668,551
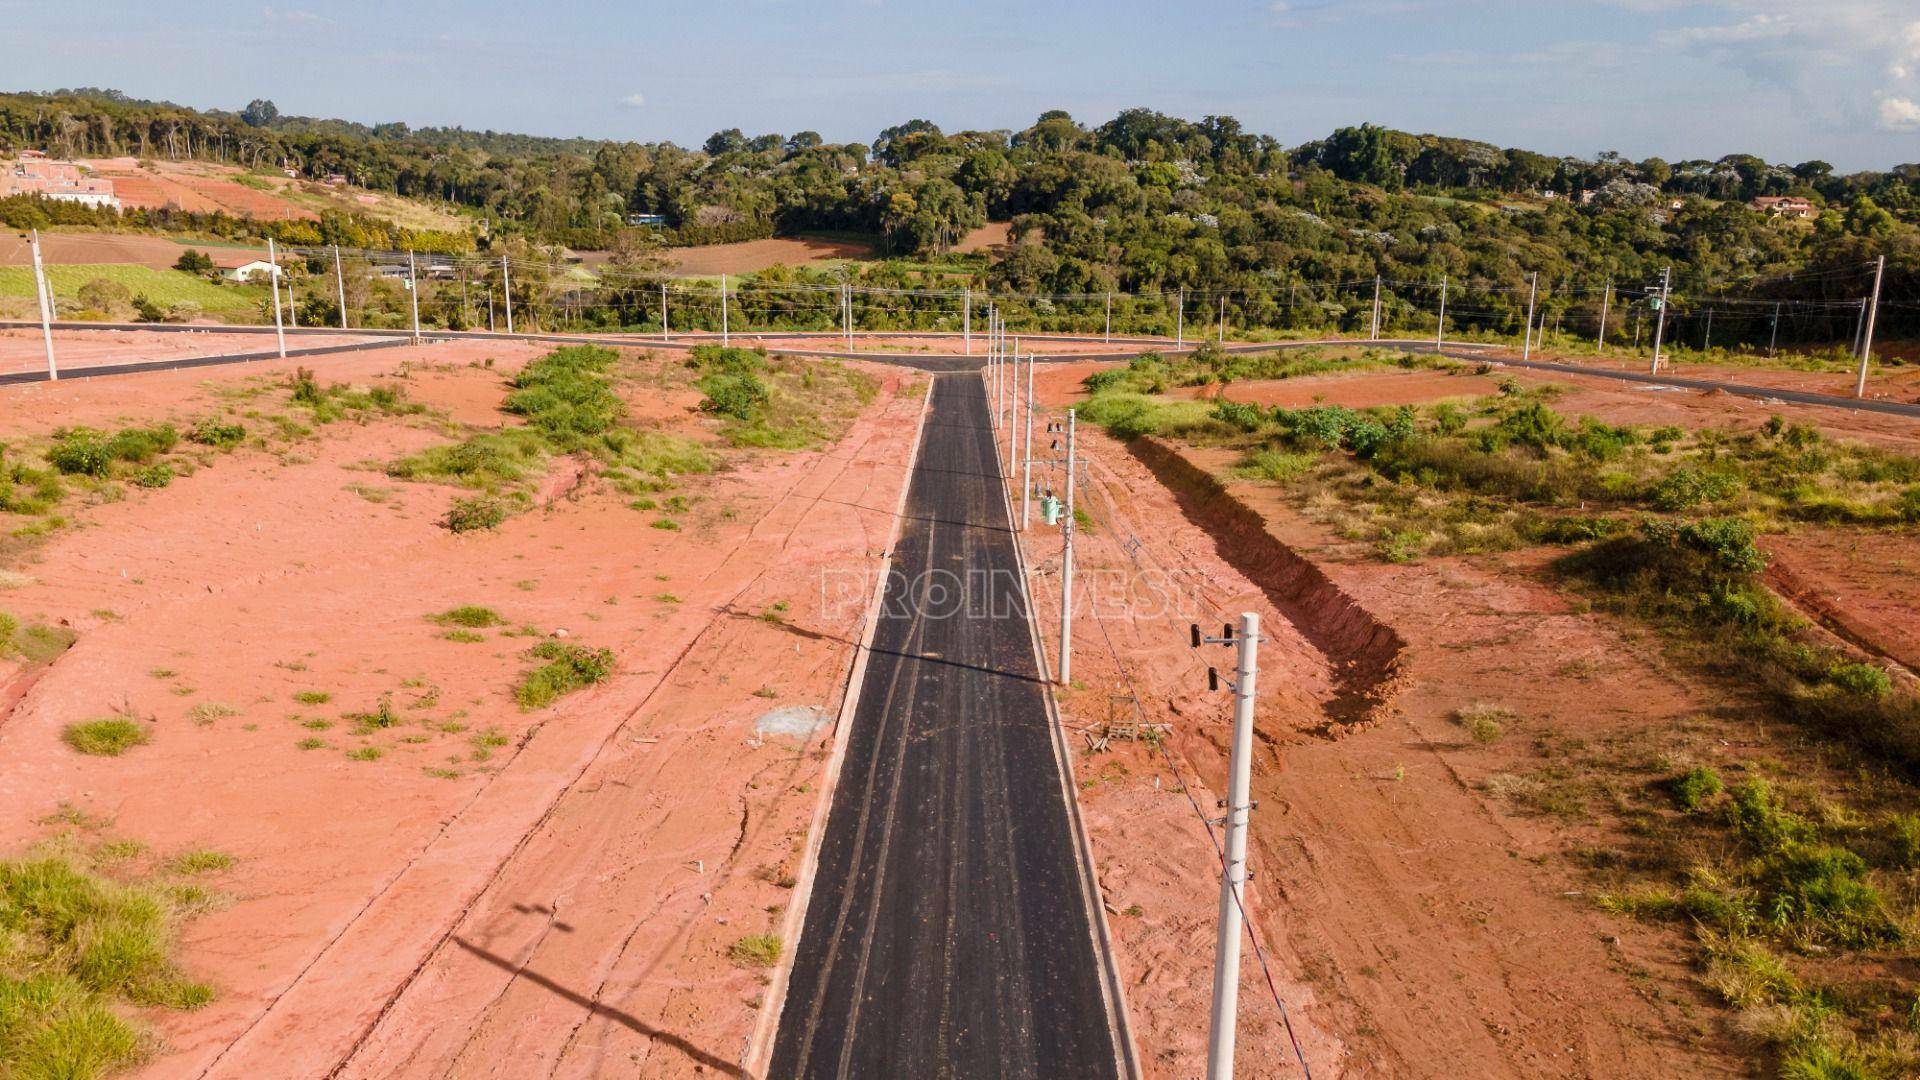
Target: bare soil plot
748,256
154,252
392,814
991,237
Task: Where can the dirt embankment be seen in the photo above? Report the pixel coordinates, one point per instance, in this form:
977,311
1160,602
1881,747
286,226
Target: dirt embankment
1363,651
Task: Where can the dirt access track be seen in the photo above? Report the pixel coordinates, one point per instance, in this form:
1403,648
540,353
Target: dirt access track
559,886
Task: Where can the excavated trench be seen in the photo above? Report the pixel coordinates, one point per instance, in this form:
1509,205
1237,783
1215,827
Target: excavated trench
1363,653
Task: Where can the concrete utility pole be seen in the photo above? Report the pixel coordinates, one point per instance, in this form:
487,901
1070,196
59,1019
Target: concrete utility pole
724,341
1533,294
1006,384
340,284
1109,317
1026,456
1066,566
466,298
44,294
1233,873
273,279
666,331
413,294
1180,321
1706,343
1223,320
1606,304
1440,335
1013,413
846,314
293,305
1373,334
1866,352
1773,342
966,317
506,291
1660,324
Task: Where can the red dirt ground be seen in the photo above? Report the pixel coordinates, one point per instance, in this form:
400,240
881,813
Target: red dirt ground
197,187
579,889
752,255
990,238
1416,920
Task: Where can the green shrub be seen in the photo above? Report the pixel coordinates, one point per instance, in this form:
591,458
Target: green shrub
472,616
1685,488
567,668
756,950
1862,679
141,445
157,475
1696,787
740,396
216,433
79,452
1239,414
469,515
107,737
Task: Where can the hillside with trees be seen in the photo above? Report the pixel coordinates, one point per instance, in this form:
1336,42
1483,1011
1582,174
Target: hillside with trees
1141,204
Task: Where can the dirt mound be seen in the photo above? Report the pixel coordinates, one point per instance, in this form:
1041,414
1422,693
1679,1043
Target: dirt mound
1363,651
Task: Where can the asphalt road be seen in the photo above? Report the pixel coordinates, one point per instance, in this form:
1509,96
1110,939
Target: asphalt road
948,931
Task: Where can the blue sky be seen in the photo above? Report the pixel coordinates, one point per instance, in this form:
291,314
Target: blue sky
1787,79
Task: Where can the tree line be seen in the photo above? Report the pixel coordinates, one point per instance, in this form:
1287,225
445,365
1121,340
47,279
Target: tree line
1142,203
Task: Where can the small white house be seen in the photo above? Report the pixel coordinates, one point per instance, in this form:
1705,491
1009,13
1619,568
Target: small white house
251,270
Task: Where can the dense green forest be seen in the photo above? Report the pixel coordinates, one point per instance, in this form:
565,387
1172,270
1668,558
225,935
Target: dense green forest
1142,204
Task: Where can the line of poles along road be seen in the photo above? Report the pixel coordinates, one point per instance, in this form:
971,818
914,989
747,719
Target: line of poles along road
1014,410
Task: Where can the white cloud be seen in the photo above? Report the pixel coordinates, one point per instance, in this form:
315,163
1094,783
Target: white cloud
1899,114
291,15
1762,27
634,101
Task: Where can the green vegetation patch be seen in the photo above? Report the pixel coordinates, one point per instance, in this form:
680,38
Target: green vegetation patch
107,737
77,949
171,290
471,616
341,401
567,668
777,402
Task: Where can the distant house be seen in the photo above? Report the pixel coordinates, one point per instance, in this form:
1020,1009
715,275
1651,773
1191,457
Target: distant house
653,221
34,173
244,269
1786,206
390,270
336,179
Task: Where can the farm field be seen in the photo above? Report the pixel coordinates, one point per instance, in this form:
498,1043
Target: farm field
226,300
